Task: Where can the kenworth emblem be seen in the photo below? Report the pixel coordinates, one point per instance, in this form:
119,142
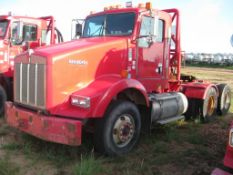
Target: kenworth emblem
79,62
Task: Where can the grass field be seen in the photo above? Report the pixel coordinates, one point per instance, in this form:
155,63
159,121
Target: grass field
181,148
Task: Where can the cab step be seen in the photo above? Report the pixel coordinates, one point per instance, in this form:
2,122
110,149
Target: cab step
172,119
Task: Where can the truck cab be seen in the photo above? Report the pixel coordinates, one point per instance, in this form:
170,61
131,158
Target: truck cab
119,77
18,34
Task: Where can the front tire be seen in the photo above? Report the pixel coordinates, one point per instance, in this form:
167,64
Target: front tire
119,131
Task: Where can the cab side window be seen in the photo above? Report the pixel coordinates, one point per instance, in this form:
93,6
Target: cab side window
29,32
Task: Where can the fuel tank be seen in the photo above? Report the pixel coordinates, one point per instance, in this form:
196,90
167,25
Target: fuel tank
168,105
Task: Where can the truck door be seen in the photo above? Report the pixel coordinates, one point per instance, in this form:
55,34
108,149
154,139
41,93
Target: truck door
151,53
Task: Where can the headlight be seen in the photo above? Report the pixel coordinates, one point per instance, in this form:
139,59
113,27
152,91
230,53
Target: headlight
80,101
231,137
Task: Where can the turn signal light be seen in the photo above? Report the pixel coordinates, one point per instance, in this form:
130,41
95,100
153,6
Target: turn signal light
148,6
124,73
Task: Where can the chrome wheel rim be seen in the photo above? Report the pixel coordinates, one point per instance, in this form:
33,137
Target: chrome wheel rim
226,100
123,130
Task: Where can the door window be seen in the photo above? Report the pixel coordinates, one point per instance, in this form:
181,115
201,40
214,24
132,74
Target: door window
151,31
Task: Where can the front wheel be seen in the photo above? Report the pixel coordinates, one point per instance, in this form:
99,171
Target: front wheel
118,132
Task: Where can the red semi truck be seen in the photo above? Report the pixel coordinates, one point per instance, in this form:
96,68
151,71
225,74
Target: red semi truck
17,34
121,76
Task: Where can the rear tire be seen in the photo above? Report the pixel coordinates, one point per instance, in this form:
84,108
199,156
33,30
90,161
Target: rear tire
118,132
3,98
209,105
224,99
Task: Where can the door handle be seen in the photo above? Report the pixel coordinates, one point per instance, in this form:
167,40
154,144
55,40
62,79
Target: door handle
159,69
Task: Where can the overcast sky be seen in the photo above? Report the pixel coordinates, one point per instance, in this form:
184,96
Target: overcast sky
206,25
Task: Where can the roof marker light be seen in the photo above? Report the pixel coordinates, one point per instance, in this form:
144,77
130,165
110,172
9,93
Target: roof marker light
129,4
148,6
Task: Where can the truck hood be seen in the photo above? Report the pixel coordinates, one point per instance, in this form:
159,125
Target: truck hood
76,45
73,65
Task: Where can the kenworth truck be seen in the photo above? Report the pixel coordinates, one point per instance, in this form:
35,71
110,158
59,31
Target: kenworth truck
17,34
121,76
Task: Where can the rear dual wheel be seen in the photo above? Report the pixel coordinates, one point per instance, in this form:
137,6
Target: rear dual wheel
224,99
209,105
118,132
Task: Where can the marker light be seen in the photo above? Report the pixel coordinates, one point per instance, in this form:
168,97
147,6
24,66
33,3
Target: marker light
231,137
124,74
80,101
129,4
148,6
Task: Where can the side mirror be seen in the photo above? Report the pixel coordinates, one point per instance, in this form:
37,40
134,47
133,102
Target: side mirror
78,30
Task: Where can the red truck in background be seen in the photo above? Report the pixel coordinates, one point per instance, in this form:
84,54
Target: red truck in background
228,159
121,76
17,34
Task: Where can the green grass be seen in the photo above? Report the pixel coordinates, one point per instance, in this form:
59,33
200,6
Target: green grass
35,149
4,130
7,167
89,165
205,65
12,146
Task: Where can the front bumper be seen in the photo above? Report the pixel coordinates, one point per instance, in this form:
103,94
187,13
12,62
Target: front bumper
49,128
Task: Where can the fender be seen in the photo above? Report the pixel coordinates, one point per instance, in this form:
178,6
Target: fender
197,90
101,92
115,88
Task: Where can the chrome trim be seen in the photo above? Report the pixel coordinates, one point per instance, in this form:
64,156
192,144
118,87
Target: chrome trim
36,83
21,81
28,74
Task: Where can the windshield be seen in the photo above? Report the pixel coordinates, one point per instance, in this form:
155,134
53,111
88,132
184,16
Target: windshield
3,27
109,25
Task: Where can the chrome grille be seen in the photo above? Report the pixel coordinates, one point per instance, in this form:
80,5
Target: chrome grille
30,82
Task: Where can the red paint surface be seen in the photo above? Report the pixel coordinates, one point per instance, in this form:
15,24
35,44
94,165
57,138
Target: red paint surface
228,159
49,128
